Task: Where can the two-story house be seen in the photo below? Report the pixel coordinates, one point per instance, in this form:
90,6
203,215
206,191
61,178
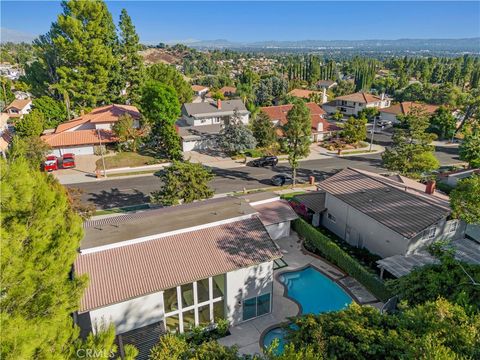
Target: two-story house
392,112
386,215
81,135
352,104
321,128
201,122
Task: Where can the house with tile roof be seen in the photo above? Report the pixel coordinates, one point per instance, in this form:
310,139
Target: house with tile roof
182,266
18,108
308,94
200,90
81,135
321,128
390,215
392,112
352,104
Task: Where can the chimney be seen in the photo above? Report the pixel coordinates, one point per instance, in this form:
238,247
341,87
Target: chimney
324,96
430,187
383,96
219,104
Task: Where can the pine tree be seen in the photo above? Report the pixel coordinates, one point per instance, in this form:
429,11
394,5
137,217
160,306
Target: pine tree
40,237
84,39
131,63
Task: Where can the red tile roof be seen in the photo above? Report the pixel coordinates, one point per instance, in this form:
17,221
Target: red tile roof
126,272
405,107
228,89
279,113
302,93
18,104
108,113
360,97
79,137
199,88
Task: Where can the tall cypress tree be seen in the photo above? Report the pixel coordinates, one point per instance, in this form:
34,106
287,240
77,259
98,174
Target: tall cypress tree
131,63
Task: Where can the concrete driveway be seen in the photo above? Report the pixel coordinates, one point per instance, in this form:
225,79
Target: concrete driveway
85,168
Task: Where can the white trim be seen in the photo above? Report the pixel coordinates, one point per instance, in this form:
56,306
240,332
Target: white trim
266,201
161,235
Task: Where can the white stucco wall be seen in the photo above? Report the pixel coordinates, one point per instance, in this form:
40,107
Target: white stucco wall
77,150
357,228
243,284
131,314
277,231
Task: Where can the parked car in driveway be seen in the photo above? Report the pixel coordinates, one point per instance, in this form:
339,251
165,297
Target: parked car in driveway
265,161
68,161
281,179
51,163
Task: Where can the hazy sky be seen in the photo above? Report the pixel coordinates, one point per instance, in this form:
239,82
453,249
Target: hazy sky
158,21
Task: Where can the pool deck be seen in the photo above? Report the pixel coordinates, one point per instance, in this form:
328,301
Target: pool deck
247,335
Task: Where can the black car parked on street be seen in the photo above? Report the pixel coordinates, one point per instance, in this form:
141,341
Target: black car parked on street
264,161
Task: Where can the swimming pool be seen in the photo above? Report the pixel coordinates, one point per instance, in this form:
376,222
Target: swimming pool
314,292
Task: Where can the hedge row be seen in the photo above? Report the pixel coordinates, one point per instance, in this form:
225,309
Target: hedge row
316,242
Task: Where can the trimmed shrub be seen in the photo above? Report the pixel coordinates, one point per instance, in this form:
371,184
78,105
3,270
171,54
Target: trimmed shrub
318,243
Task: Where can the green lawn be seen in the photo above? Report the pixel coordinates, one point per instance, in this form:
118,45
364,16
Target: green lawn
127,159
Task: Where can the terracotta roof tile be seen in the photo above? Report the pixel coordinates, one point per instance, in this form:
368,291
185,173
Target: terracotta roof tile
127,272
302,93
79,137
18,104
360,97
404,108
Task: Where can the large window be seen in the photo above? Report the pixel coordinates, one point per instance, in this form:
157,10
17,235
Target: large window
202,290
172,323
218,286
218,310
170,300
204,315
188,320
187,295
256,306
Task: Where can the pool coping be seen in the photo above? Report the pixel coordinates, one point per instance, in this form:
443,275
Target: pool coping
285,293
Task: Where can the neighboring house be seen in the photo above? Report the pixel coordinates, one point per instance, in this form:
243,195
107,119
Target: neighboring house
22,95
228,91
80,136
308,94
321,128
392,112
201,122
18,108
326,84
386,215
200,90
201,262
352,104
452,178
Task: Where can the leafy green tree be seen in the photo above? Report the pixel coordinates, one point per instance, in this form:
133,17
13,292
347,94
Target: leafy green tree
354,130
411,153
40,237
263,130
168,75
344,88
362,332
159,103
448,279
217,95
53,111
443,123
368,113
33,149
84,40
337,116
31,124
465,200
183,182
298,131
126,132
165,141
235,137
7,94
170,347
470,148
131,63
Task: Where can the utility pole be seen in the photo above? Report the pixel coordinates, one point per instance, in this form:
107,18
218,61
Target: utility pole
373,133
101,153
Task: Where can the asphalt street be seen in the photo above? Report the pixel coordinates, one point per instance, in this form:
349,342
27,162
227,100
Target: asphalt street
135,190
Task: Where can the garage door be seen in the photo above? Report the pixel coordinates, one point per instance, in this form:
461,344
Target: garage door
77,150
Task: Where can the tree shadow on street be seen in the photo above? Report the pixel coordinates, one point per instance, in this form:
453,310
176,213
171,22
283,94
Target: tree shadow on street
116,198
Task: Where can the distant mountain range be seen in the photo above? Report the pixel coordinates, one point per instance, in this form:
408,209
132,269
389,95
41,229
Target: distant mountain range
466,45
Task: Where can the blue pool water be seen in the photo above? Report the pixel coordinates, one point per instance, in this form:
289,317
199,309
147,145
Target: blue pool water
315,292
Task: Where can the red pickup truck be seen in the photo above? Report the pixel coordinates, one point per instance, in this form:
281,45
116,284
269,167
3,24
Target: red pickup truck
51,163
68,161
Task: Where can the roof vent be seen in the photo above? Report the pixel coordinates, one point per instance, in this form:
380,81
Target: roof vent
370,200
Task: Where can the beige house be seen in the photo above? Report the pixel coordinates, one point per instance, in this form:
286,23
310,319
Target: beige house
352,104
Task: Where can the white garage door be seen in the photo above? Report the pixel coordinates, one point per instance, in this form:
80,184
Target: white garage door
77,150
277,231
